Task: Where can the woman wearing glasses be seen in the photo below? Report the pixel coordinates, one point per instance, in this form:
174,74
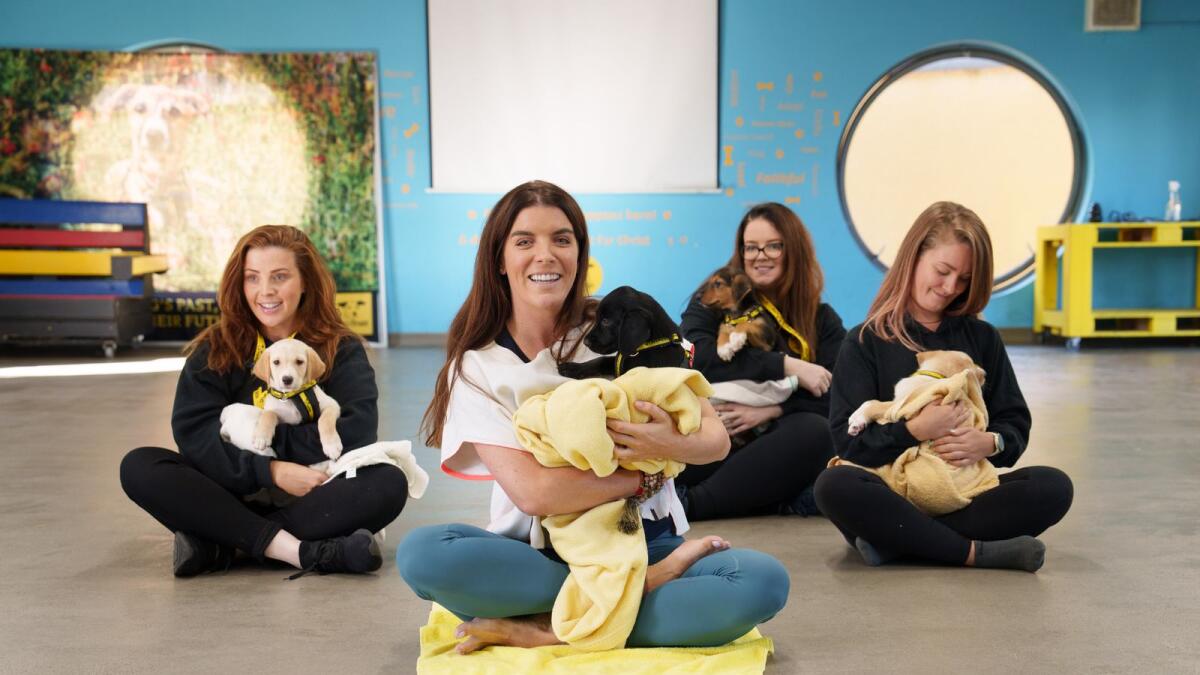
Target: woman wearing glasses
789,442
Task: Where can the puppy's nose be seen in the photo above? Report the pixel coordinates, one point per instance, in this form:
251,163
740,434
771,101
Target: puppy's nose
287,380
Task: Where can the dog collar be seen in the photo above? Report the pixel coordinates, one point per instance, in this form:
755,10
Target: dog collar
931,373
284,395
301,393
687,348
743,318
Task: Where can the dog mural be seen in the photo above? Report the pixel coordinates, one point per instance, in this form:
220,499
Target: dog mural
157,171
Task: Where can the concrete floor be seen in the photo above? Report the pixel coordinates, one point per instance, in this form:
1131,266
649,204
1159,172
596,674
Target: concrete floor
85,579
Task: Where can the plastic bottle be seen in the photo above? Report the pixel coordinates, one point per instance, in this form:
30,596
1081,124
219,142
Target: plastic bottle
1174,207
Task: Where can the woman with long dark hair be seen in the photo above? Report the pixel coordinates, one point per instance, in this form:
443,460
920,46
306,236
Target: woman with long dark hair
217,497
790,442
526,312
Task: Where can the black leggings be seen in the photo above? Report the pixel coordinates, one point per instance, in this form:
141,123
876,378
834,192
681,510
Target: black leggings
860,504
770,470
182,498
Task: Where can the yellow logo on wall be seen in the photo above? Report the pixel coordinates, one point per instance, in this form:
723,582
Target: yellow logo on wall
595,276
358,311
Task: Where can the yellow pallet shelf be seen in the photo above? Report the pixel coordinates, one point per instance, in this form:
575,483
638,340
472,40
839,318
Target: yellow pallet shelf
117,264
1075,317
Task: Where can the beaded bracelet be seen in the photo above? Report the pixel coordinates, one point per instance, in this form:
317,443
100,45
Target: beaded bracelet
650,484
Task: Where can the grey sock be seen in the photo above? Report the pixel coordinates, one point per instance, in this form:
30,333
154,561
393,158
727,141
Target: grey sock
873,555
1019,553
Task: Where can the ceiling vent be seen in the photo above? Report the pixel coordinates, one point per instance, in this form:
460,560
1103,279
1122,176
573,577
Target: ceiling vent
1113,15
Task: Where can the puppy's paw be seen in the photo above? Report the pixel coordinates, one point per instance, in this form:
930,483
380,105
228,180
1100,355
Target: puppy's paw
332,447
259,442
858,421
732,346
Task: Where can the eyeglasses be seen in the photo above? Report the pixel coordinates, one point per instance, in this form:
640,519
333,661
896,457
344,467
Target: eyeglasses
772,250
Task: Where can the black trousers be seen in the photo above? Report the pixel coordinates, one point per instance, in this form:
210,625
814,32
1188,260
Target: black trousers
182,498
860,504
770,470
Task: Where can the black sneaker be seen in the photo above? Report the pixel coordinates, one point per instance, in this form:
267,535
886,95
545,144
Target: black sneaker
194,555
803,505
357,553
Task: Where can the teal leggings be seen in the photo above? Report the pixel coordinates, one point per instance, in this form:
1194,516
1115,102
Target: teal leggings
475,573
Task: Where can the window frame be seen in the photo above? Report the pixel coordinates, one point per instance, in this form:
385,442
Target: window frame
972,50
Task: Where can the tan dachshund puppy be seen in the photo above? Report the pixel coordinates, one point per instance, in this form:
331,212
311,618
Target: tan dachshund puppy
729,291
291,369
931,367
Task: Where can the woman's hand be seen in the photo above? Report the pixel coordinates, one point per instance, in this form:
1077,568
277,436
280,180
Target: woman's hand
938,419
962,447
295,479
738,418
813,378
656,438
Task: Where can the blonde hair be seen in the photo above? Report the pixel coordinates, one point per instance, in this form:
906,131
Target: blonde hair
941,223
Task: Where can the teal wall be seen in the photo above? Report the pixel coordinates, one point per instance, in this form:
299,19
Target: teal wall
1136,95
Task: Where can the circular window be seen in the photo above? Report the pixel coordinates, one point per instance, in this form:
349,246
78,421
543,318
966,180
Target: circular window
966,124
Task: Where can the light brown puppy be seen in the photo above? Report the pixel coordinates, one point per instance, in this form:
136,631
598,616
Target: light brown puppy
932,366
291,368
729,290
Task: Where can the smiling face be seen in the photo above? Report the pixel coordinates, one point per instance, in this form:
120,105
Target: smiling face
540,260
272,285
763,270
942,273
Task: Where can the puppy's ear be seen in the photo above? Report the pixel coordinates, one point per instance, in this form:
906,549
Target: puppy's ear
922,357
634,331
980,375
108,102
315,368
189,102
262,367
740,283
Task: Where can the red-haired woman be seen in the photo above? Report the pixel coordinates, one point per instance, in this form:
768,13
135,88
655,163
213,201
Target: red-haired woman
526,313
791,443
218,498
930,300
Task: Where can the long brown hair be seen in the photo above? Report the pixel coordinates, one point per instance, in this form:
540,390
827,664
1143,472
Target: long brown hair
231,339
797,293
941,223
488,306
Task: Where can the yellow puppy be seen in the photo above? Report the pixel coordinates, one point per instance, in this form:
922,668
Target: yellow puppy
291,369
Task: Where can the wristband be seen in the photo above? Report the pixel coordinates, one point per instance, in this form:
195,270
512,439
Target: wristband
649,486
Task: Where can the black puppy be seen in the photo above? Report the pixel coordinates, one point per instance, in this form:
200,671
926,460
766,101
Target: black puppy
637,331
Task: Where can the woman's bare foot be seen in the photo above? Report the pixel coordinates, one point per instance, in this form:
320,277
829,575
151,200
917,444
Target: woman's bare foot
529,631
674,565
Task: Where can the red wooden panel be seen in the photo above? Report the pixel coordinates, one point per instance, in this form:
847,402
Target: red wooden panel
31,238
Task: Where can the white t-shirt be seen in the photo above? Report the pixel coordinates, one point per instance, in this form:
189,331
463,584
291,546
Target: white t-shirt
474,417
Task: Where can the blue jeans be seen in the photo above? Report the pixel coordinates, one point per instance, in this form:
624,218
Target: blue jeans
475,573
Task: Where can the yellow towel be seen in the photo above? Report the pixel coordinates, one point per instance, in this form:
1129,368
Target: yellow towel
596,608
745,655
918,474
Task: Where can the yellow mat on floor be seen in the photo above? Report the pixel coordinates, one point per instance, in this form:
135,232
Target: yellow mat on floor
747,654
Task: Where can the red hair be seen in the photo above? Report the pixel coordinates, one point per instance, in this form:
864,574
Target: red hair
231,340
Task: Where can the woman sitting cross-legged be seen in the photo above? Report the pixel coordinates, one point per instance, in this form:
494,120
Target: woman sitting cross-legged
786,443
930,300
525,313
217,497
